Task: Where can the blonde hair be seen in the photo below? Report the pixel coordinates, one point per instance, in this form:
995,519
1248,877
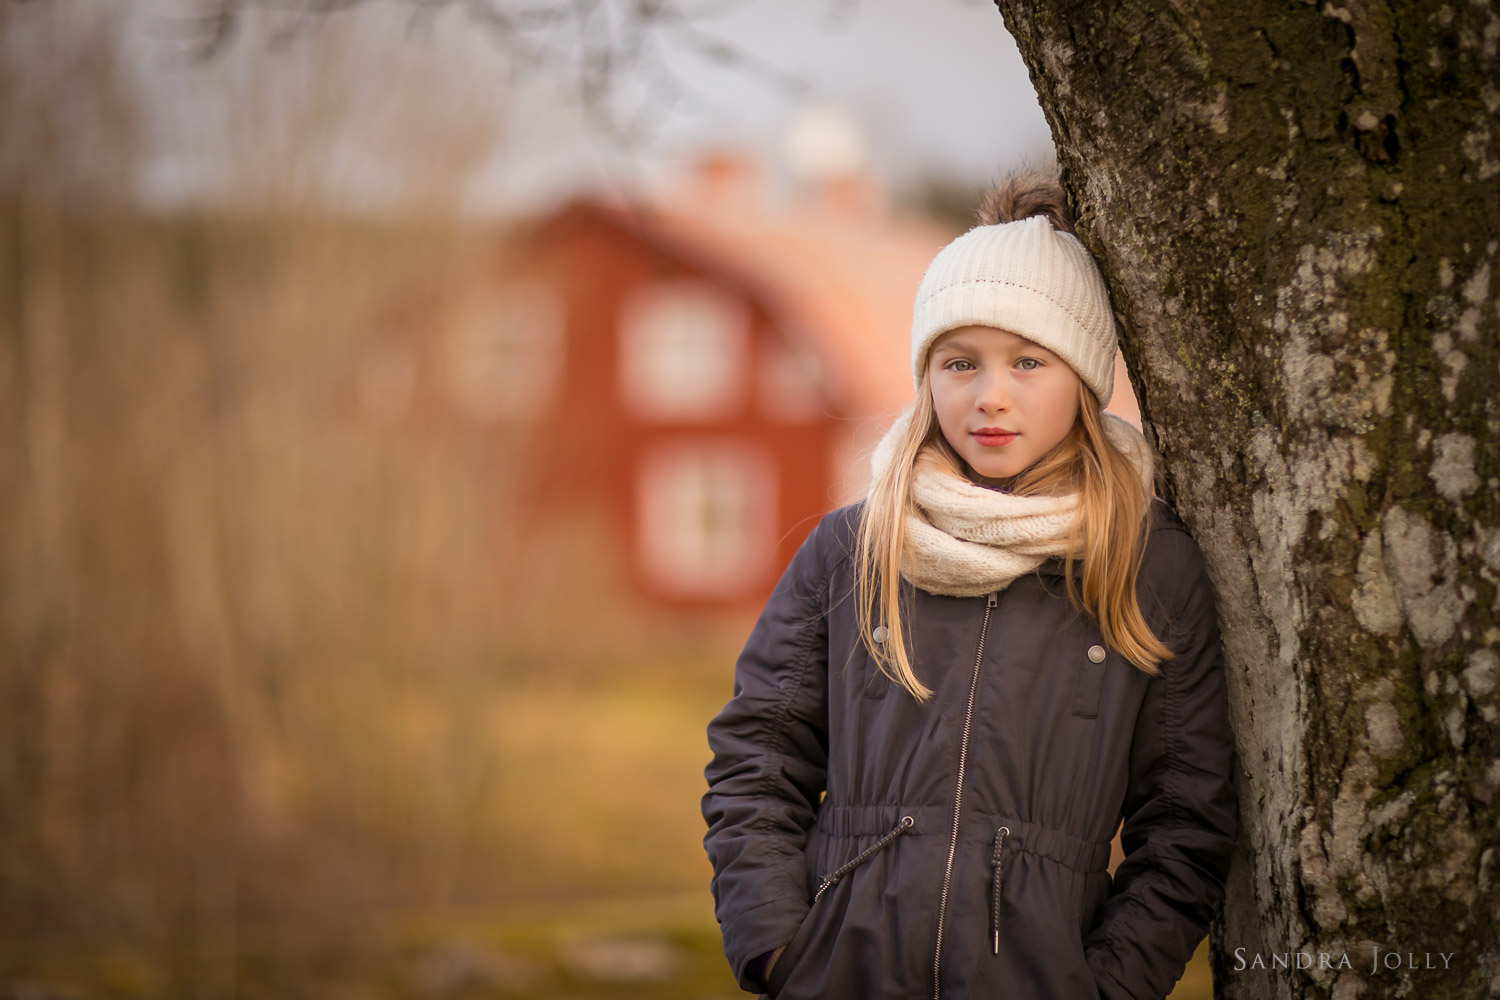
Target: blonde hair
1108,532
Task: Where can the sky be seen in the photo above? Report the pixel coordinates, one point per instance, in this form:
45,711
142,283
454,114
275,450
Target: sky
930,89
934,88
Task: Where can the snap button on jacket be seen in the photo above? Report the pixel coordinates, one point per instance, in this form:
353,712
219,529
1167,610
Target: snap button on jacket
959,848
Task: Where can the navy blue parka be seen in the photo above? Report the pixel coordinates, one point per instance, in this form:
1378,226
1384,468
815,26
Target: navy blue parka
959,848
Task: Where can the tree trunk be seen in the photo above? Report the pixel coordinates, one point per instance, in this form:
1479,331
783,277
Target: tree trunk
1297,209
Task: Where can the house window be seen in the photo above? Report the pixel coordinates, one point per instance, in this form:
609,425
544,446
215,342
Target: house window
505,353
707,515
682,351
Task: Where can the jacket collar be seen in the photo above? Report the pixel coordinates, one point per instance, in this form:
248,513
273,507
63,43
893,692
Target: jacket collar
1052,567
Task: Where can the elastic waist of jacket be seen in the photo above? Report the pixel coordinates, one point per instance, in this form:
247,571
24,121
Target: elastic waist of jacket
1051,843
1029,838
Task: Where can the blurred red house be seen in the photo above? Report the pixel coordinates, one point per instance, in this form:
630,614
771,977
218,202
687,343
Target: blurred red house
709,370
704,374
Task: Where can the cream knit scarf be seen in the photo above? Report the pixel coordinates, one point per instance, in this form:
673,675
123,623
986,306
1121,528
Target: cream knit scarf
964,540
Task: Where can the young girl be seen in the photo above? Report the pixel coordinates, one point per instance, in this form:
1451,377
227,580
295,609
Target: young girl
963,683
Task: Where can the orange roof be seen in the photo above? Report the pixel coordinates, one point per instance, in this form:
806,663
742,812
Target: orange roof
848,282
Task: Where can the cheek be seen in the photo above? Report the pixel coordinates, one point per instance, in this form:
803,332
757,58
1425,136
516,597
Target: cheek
950,409
1059,402
946,402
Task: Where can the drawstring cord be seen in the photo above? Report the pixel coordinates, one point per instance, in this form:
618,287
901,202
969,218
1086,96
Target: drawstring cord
835,876
995,886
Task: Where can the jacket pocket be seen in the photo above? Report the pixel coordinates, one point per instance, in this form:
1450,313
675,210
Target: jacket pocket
786,964
782,969
1045,876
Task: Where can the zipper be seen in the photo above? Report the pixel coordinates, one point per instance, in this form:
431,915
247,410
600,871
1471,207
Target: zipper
833,877
963,754
995,886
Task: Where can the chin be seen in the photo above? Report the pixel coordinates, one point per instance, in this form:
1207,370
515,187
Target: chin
990,470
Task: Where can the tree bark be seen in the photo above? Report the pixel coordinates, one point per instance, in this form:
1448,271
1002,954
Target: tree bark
1297,210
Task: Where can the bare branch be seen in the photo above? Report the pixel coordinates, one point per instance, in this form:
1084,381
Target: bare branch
592,47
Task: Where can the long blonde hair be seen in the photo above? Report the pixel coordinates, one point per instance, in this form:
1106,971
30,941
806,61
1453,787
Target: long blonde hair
1108,534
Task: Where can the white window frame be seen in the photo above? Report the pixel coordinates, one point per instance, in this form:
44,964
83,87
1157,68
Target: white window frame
680,486
684,345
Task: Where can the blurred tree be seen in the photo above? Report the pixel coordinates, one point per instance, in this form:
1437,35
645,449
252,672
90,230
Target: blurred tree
1297,207
243,622
203,541
350,116
604,54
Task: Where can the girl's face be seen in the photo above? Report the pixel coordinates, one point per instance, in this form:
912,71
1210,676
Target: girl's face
1002,401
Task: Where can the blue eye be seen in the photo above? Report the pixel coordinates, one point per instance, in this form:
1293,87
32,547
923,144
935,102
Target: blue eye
1029,364
953,365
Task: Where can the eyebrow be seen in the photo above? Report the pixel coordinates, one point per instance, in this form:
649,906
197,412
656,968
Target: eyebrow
958,344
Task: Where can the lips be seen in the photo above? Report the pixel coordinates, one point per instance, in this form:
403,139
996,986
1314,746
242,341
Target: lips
994,438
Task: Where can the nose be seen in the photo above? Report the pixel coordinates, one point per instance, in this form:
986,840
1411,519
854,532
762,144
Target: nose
993,395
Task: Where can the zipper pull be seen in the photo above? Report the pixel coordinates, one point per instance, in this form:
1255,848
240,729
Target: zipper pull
994,598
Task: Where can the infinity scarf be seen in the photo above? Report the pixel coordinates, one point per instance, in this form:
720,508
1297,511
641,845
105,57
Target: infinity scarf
964,539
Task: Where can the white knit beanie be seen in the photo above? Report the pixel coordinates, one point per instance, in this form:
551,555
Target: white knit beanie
1026,277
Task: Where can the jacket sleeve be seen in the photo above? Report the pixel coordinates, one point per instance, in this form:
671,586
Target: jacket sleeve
1180,809
769,766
